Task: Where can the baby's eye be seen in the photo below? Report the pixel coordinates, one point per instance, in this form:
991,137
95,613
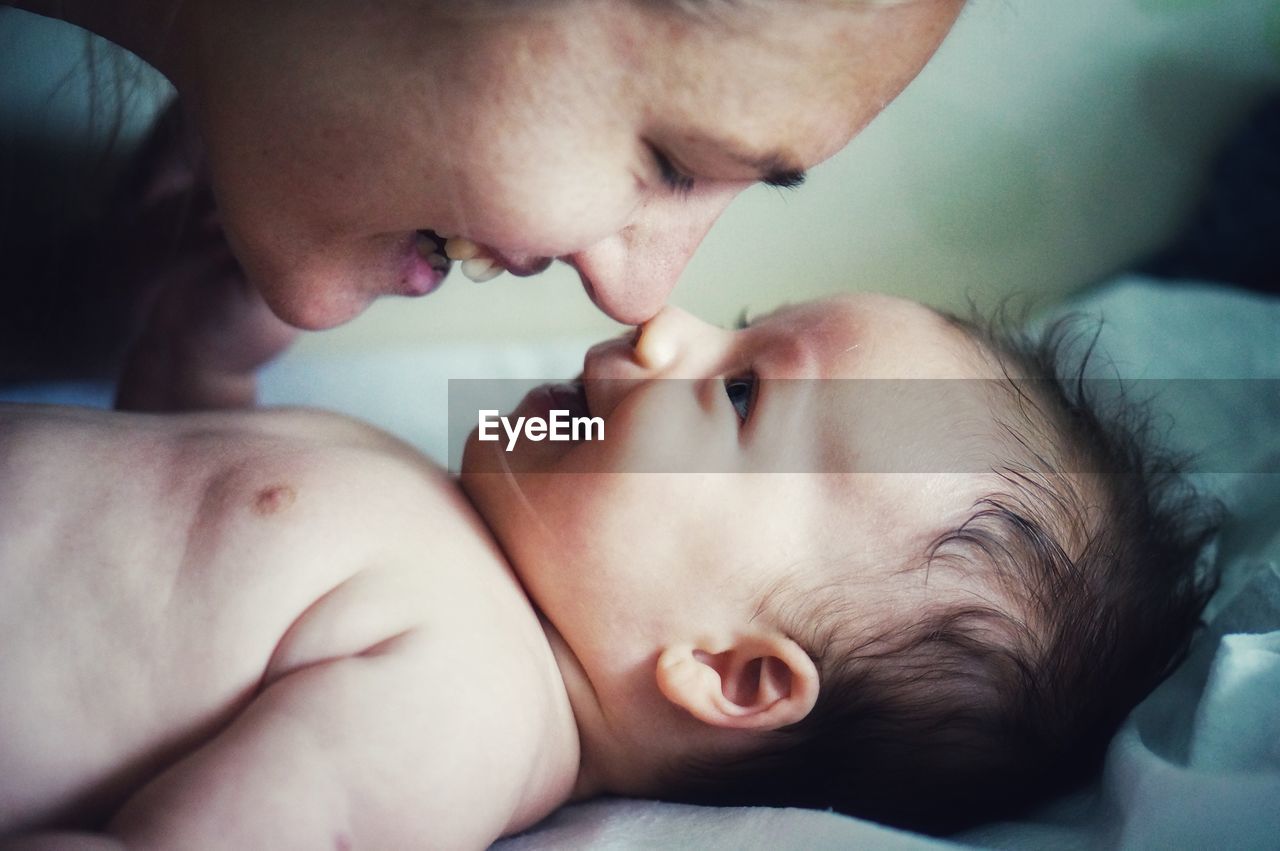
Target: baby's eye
741,392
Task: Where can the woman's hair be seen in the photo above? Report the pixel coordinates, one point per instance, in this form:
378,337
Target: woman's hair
976,710
62,167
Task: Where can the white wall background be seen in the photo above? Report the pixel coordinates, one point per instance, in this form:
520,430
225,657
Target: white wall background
1047,145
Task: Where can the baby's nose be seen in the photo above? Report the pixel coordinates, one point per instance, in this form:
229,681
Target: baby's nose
654,346
661,340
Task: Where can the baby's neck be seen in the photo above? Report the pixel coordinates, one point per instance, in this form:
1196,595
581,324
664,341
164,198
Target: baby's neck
531,694
584,756
586,714
611,759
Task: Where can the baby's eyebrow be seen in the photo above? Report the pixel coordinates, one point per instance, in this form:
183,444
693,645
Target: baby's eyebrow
970,328
745,320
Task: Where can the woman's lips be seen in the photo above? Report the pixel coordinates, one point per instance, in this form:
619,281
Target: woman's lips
433,255
427,265
523,267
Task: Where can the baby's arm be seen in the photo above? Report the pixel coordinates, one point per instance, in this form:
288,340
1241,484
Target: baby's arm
358,752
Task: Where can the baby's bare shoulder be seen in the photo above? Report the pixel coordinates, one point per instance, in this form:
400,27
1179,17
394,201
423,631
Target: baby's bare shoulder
256,554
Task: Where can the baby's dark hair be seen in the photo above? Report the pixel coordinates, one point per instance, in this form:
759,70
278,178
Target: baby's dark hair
978,710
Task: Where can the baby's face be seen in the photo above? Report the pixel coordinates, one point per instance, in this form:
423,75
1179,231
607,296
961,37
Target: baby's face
553,129
733,459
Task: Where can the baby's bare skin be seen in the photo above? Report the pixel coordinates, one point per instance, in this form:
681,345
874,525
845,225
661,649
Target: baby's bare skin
274,629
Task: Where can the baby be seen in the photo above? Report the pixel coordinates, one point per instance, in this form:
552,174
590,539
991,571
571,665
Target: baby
285,629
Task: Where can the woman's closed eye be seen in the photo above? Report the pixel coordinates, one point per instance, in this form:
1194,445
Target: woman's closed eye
741,390
672,177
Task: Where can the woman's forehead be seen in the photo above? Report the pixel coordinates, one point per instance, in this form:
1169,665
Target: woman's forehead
803,76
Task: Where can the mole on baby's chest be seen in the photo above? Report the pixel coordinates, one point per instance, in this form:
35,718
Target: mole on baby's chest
273,499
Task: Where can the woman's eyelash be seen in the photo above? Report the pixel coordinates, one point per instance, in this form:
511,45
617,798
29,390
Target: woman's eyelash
741,390
673,177
743,322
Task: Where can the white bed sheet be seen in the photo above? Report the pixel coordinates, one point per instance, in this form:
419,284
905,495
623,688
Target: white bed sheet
1197,765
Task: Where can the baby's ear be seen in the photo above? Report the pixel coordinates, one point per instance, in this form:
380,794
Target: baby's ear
759,682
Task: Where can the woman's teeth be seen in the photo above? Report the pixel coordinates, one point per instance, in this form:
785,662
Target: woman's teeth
481,269
439,250
459,248
476,262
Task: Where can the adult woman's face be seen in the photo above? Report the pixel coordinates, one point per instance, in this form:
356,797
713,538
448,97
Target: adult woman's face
606,133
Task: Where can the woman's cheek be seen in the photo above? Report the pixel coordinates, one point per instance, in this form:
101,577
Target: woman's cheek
551,214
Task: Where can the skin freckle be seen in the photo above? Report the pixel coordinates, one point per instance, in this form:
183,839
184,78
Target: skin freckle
273,499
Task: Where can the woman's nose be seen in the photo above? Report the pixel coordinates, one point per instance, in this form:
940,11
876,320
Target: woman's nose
630,274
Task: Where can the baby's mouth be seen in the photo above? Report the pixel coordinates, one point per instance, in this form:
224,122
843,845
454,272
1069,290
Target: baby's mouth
480,263
571,396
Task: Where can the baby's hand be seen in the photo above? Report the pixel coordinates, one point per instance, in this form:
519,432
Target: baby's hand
203,330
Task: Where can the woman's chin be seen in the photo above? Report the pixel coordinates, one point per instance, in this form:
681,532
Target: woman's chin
316,304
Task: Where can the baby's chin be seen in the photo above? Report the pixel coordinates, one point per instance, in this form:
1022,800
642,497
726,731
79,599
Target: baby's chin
489,478
496,494
555,407
478,466
482,491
